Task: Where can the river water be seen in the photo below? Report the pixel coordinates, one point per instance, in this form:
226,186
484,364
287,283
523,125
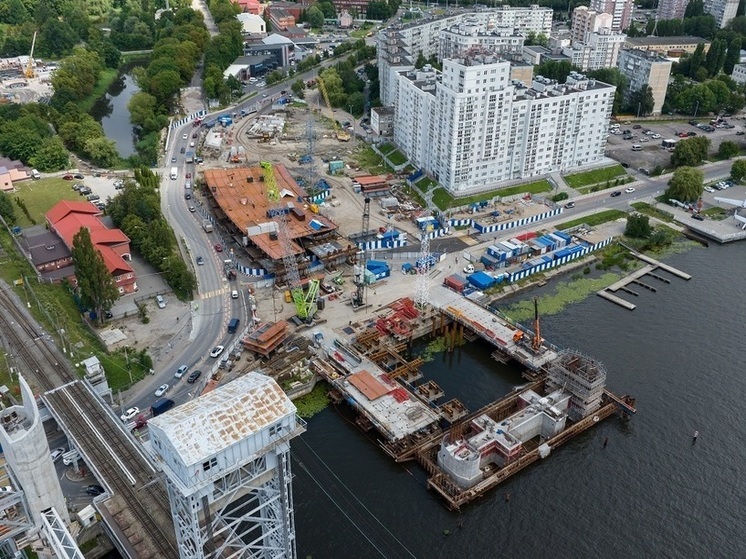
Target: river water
112,112
650,493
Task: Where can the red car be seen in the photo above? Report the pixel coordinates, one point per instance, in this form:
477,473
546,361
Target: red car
218,248
68,177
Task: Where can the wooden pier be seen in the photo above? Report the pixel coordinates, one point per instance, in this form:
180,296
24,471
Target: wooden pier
635,278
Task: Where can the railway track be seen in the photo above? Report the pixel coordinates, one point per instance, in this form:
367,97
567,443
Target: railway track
142,508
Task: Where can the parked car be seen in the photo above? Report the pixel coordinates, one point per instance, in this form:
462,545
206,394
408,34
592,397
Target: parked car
200,261
616,193
93,197
570,205
182,150
216,351
130,413
709,189
57,453
181,371
160,301
234,294
67,177
218,248
637,126
78,177
656,136
194,376
629,190
94,490
698,217
162,389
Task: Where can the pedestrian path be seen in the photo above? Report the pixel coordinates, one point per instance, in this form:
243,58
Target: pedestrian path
190,118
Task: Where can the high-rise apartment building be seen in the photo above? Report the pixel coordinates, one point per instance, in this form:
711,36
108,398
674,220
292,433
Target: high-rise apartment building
722,10
672,9
620,10
644,68
471,126
400,45
594,44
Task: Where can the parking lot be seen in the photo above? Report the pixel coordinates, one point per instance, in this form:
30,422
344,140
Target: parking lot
652,152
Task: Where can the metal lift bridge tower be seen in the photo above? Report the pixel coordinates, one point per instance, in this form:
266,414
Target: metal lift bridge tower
226,457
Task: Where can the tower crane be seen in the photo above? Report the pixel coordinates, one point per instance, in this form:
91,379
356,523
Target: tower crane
342,136
358,298
305,303
29,72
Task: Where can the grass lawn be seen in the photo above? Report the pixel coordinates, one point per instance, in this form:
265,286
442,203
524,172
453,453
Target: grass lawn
39,196
594,176
55,308
396,157
444,200
647,209
593,219
386,148
370,161
107,77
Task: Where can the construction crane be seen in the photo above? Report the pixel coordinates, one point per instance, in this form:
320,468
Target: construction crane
305,303
536,341
358,299
425,260
29,72
342,136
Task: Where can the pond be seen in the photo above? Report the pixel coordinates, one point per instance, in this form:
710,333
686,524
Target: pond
111,110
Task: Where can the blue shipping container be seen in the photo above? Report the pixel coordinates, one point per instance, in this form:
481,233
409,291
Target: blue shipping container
481,281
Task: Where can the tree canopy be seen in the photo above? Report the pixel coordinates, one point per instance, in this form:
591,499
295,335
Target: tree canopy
638,226
95,283
690,152
686,185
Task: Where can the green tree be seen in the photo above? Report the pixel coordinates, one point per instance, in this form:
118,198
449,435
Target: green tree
715,57
733,56
533,38
102,151
686,185
315,17
178,276
690,152
298,87
638,226
694,8
51,155
6,209
328,9
738,169
95,282
642,102
555,70
728,150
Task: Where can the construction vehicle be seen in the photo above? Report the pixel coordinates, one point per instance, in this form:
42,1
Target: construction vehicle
341,135
305,303
29,71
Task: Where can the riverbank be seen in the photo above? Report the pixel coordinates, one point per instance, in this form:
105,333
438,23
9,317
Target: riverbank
105,79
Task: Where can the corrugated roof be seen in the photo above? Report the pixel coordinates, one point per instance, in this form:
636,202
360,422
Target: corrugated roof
203,427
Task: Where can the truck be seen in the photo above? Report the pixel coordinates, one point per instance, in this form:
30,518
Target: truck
207,225
190,157
233,325
161,406
174,173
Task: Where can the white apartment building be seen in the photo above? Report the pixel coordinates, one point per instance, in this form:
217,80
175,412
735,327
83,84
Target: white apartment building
399,45
472,34
671,9
646,68
739,74
586,21
472,127
599,50
620,10
723,10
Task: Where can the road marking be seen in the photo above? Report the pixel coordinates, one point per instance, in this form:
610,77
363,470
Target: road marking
214,293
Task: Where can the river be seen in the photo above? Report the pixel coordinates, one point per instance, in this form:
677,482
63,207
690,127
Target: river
112,112
650,493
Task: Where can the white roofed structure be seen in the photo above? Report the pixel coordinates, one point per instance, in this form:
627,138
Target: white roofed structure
226,459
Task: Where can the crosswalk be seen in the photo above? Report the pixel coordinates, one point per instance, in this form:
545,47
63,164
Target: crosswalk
213,293
190,118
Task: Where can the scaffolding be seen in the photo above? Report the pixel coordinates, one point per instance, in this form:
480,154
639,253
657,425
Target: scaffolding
583,377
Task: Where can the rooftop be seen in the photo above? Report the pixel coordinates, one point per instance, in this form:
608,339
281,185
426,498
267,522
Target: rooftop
685,39
242,196
207,425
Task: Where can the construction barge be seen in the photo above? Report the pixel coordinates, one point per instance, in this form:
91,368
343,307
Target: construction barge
465,454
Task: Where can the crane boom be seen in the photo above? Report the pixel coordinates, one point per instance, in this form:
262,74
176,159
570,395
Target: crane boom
29,71
305,303
342,136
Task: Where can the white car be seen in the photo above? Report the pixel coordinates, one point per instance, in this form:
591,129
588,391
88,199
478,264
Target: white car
162,389
160,301
656,136
709,189
216,351
130,414
629,190
57,453
181,371
185,137
234,294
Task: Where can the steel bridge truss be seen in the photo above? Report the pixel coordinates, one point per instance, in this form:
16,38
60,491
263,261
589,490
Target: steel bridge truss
248,515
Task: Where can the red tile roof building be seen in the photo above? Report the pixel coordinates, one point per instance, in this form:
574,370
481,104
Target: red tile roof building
66,218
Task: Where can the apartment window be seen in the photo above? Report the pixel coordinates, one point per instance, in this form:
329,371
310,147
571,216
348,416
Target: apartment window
275,430
211,463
